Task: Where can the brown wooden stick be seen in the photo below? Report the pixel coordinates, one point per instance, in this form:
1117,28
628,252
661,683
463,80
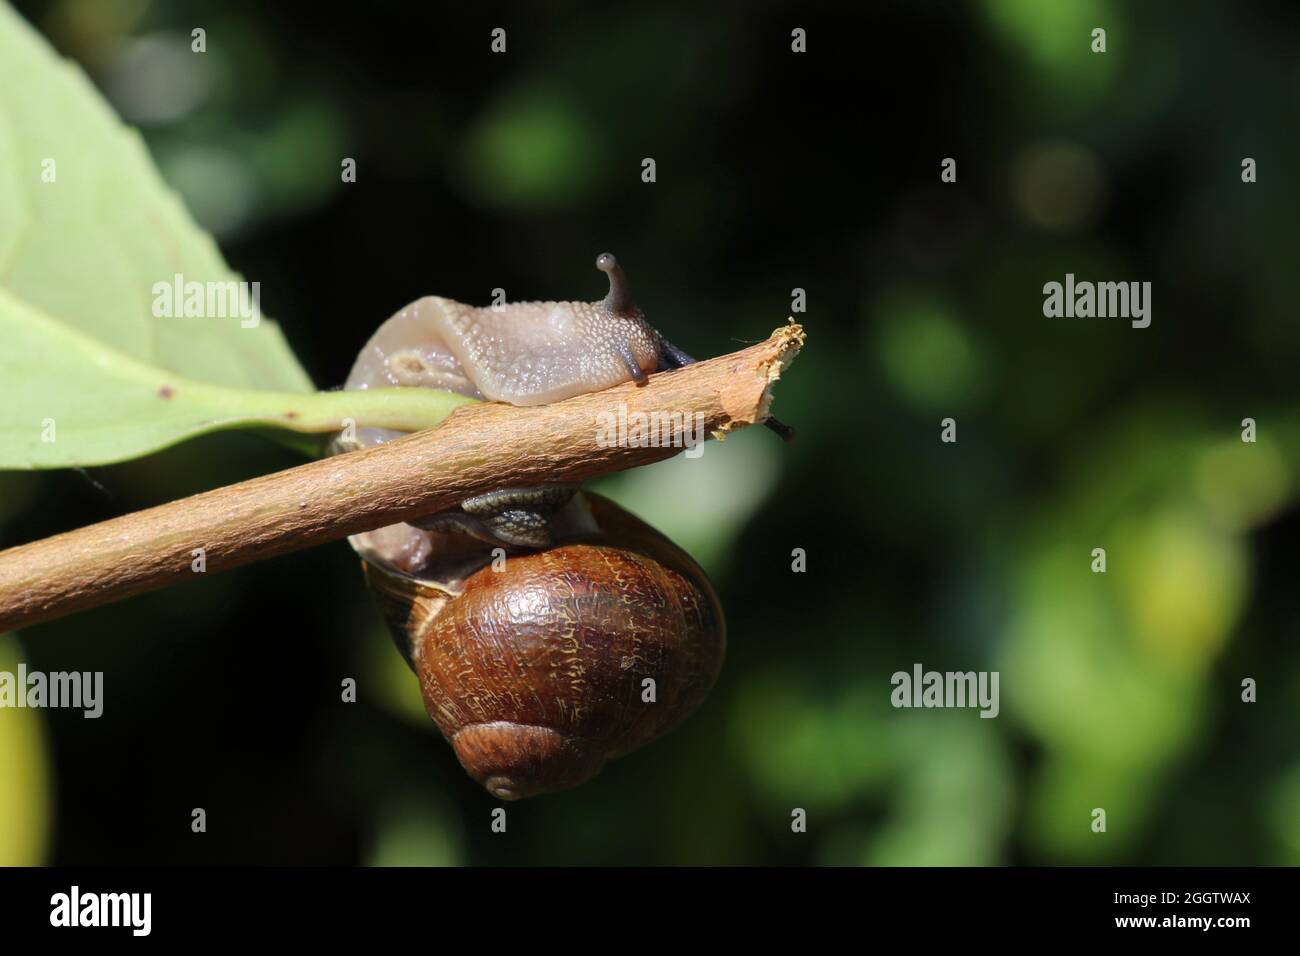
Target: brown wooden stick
477,449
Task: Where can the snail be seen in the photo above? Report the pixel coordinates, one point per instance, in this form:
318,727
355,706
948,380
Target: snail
551,630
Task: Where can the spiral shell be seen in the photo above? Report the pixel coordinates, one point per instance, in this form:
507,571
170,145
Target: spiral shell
540,672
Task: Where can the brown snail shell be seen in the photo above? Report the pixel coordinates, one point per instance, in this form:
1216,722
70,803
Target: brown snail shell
534,673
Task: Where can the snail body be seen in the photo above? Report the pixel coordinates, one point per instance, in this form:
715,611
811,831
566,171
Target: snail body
523,353
598,634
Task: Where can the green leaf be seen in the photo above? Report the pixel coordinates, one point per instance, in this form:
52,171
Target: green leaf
88,247
88,230
71,401
25,785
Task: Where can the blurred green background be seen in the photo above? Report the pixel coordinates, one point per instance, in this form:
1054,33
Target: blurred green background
775,171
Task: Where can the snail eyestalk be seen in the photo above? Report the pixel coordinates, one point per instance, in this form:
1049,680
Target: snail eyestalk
619,298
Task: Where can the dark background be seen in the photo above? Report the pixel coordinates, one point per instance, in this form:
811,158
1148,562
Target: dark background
775,170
